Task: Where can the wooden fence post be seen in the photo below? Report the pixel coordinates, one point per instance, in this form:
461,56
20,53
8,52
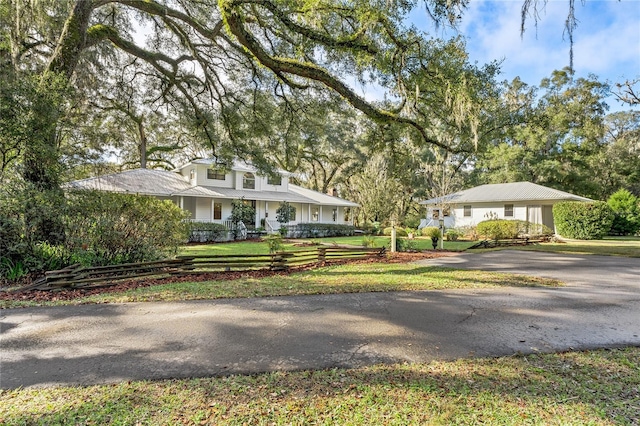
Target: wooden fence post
322,254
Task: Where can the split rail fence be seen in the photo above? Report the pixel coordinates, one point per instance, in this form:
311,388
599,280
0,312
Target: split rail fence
78,276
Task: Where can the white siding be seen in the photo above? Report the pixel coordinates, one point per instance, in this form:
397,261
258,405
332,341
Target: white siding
484,211
203,209
204,181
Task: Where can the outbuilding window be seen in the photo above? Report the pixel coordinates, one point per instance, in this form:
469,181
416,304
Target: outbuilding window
508,210
467,211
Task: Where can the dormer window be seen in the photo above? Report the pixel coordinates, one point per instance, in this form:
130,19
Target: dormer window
275,180
192,174
215,174
249,181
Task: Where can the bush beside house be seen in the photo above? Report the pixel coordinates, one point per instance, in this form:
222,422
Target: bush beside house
499,229
100,228
583,221
626,219
319,230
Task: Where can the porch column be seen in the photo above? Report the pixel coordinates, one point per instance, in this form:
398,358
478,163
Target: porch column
212,207
320,214
309,213
182,202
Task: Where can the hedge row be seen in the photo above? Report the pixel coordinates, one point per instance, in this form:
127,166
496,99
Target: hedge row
583,221
318,230
204,232
499,229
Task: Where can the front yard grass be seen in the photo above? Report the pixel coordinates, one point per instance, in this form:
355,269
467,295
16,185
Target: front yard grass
610,246
261,247
346,278
419,243
600,387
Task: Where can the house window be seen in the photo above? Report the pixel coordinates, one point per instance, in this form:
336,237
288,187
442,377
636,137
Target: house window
249,181
292,217
276,180
217,211
315,214
467,211
334,215
435,214
508,210
215,174
446,211
347,214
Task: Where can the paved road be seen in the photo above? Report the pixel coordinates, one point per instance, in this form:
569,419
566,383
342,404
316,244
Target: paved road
110,343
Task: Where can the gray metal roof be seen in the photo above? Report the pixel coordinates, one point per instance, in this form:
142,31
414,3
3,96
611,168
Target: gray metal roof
505,192
138,181
321,198
164,183
239,166
230,193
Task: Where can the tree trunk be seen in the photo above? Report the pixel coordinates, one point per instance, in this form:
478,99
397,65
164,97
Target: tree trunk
41,156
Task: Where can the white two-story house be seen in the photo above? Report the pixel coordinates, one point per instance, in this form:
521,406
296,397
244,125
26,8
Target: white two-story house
206,191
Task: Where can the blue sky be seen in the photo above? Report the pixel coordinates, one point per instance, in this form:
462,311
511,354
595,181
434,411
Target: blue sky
606,41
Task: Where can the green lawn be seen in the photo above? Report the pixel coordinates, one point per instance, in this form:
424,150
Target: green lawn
348,278
258,247
419,243
596,388
239,247
611,246
615,246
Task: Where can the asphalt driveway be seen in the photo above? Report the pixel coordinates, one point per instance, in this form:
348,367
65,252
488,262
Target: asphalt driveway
115,342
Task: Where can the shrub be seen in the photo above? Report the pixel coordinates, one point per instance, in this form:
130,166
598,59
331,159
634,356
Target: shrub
372,228
274,241
285,212
452,234
411,221
12,244
626,219
122,228
204,232
498,229
317,230
399,232
470,232
403,244
368,241
529,229
583,221
241,213
431,232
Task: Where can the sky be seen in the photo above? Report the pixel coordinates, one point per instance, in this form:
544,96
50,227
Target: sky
606,41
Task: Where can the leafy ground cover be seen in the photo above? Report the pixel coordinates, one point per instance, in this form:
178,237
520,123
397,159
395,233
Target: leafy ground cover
391,274
600,387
